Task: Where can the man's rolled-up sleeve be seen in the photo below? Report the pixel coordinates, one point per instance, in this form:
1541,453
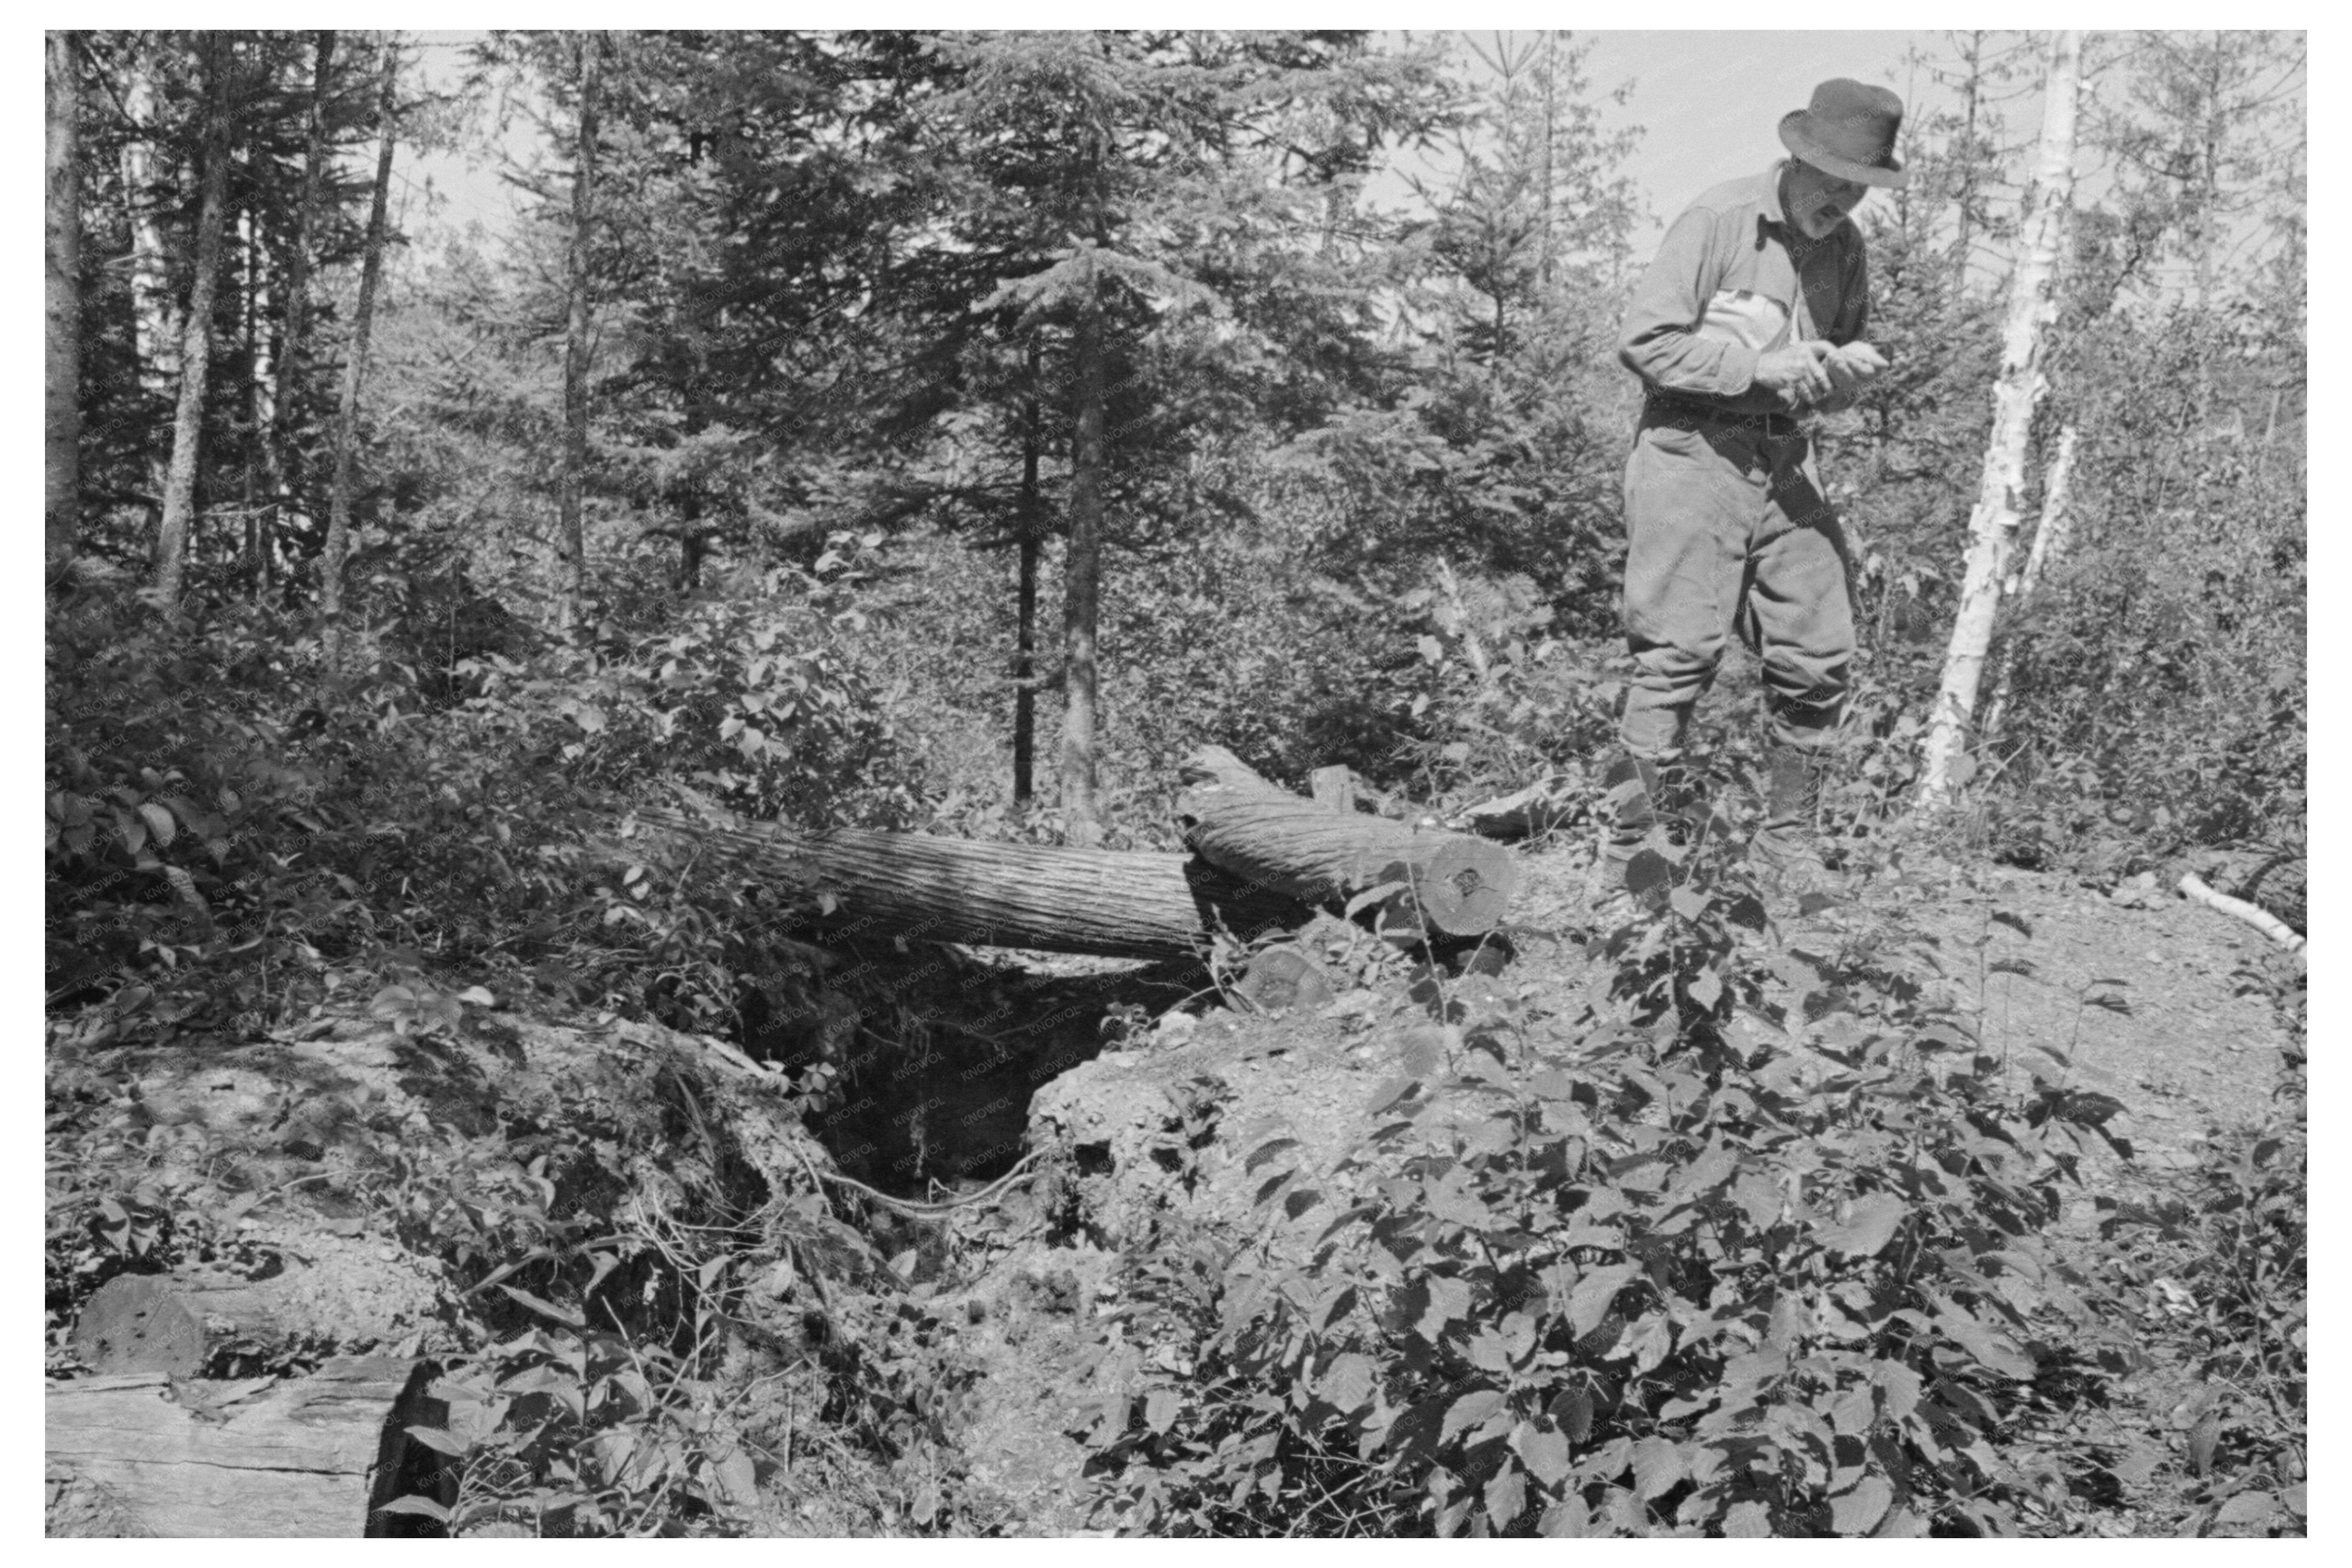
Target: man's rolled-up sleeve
1661,341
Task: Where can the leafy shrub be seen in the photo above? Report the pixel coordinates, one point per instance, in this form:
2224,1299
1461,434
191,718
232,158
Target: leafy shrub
225,825
2219,1263
1716,1272
563,1432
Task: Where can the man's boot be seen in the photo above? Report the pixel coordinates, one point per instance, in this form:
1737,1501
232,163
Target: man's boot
1788,847
1630,807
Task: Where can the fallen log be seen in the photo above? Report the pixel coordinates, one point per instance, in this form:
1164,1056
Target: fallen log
911,885
146,1454
2194,888
2270,876
1273,839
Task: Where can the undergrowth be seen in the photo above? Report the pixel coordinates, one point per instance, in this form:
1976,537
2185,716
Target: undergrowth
1716,1269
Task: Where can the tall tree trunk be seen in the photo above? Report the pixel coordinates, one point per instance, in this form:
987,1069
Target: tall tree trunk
571,532
196,335
154,319
1082,576
339,508
1024,637
256,377
61,307
282,453
1993,527
2050,536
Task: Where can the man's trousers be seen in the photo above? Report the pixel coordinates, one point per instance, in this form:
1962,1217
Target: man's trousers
1727,530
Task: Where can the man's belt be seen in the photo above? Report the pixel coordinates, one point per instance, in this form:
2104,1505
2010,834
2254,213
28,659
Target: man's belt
1771,427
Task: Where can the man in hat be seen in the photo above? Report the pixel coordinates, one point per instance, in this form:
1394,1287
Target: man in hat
1748,324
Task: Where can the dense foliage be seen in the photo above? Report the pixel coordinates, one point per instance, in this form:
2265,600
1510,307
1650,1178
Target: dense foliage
1729,1270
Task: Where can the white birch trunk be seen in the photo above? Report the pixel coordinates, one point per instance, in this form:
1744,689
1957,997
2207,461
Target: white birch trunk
279,445
2050,534
2048,543
1992,526
154,323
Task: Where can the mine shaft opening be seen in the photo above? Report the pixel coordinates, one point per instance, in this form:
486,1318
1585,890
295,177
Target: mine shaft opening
919,1066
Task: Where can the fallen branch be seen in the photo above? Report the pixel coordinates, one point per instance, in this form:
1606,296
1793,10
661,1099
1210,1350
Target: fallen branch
2270,926
1538,808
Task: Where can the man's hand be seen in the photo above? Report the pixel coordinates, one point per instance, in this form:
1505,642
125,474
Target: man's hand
1853,364
1797,373
1815,374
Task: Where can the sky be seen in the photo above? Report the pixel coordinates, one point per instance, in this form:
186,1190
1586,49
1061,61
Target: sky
1709,103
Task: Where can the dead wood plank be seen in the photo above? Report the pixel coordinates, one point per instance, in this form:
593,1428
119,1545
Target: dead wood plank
141,1454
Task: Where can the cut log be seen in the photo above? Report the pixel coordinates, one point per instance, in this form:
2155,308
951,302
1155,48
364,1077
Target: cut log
1273,839
141,1454
1119,905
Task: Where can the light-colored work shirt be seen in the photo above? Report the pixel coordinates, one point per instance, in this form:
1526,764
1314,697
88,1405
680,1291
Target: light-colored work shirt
1734,281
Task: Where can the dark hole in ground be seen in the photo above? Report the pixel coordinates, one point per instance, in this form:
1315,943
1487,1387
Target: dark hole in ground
935,1055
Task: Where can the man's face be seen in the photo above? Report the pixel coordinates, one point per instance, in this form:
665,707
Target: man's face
1817,203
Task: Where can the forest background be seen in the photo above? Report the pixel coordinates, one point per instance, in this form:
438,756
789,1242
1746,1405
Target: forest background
919,323
947,432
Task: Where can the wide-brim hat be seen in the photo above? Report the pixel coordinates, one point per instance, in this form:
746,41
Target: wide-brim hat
1849,130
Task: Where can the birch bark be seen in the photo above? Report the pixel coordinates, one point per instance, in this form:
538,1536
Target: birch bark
1992,526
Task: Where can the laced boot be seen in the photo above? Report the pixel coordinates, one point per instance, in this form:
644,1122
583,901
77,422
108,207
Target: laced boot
1787,848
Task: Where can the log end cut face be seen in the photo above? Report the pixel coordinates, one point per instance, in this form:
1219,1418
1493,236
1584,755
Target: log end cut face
1465,887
